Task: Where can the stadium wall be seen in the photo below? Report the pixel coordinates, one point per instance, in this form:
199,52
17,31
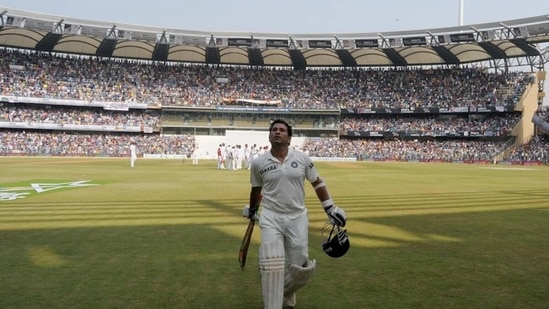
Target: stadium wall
528,105
208,144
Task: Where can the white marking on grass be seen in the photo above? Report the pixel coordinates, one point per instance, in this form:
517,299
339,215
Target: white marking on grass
511,168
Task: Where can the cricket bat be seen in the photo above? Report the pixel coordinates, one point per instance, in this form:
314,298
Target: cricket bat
243,252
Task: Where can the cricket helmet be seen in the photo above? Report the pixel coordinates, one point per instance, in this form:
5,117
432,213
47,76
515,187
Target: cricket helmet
336,244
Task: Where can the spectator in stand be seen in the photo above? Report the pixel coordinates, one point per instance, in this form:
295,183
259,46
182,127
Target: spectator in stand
188,85
82,80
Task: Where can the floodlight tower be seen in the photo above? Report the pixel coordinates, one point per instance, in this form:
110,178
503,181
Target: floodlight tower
460,13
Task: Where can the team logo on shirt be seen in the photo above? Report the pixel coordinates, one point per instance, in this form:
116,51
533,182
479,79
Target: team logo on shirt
267,169
294,164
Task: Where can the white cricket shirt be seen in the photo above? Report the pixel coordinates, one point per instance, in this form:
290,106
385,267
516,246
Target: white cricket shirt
283,182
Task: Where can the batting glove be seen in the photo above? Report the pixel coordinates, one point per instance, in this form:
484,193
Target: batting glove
336,215
250,213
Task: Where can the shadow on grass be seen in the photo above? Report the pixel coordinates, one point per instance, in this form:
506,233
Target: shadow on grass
498,262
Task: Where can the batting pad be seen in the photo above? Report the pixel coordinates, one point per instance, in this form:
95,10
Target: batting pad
298,276
271,265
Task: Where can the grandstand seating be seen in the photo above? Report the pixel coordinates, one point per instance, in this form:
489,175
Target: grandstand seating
366,110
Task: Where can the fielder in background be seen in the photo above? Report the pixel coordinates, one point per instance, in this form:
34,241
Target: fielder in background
277,179
194,154
133,153
220,158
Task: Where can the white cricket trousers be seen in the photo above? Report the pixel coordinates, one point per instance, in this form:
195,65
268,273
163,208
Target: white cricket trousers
292,229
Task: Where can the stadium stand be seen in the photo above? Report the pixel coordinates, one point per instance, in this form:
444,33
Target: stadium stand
64,103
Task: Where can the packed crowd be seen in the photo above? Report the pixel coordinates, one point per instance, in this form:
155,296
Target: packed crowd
536,150
36,74
91,145
78,116
117,145
433,124
497,124
404,150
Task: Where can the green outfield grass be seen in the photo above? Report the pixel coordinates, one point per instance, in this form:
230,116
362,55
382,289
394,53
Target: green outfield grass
166,234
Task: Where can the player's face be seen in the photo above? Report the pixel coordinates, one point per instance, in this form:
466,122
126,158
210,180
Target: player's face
279,135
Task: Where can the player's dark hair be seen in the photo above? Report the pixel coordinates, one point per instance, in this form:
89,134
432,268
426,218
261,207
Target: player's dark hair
288,126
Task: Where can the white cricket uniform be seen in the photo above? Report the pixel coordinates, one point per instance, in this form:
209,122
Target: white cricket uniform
133,155
247,157
283,212
228,159
194,155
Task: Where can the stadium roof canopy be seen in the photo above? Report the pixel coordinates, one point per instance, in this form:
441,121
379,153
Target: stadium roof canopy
503,44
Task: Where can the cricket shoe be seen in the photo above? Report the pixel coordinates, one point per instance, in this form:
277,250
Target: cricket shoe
290,300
